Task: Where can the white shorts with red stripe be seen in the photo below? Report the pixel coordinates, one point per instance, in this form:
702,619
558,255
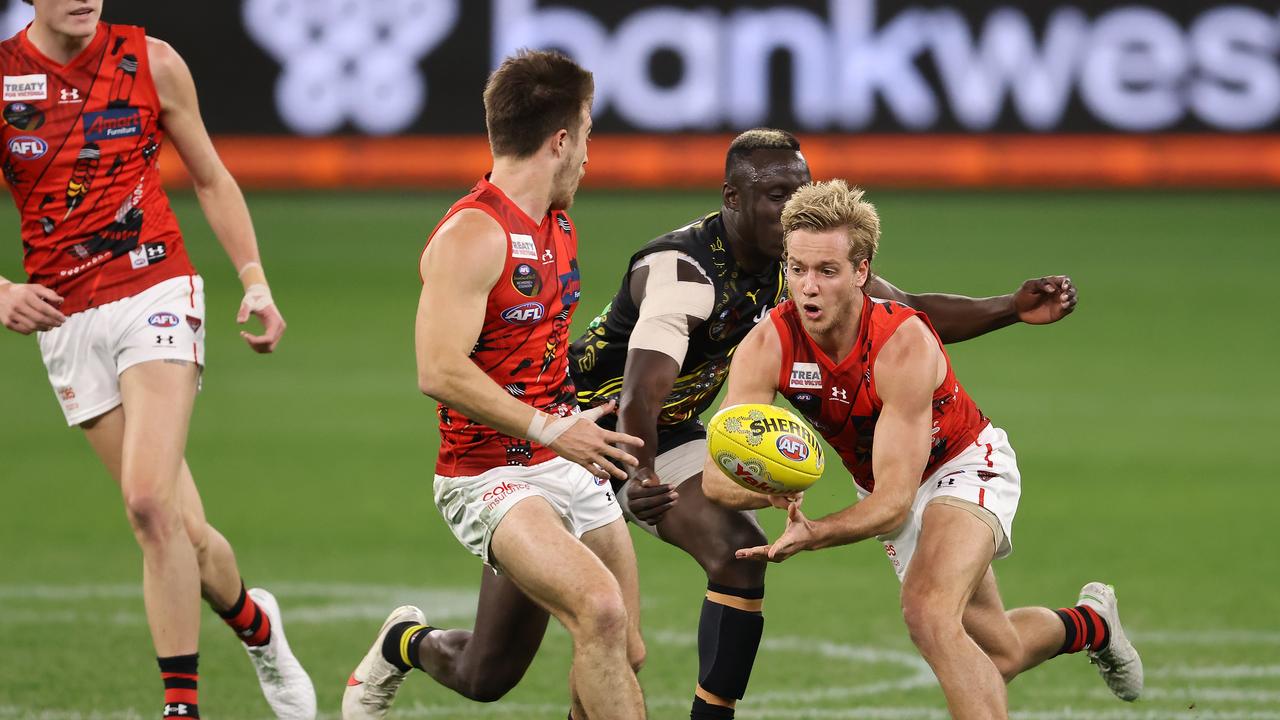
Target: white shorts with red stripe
87,353
985,474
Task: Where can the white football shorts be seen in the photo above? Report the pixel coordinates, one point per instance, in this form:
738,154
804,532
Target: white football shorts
984,477
473,506
86,355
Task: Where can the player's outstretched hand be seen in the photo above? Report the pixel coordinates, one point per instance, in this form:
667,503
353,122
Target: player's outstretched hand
592,447
798,535
28,308
1045,300
648,498
273,324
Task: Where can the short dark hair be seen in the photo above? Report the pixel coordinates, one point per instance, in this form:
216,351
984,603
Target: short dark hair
532,95
758,139
30,2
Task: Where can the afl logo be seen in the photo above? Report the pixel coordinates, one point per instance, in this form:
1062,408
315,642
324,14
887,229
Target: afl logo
163,320
524,314
793,448
28,147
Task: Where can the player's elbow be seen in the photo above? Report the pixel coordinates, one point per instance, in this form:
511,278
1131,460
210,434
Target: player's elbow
433,378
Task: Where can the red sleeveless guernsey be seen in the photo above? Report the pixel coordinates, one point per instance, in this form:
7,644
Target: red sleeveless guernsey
523,344
80,144
841,400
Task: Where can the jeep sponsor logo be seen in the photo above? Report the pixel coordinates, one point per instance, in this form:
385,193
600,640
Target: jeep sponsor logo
163,320
26,87
806,375
793,448
28,147
525,313
111,124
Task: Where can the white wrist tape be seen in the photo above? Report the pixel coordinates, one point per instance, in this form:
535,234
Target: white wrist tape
258,297
545,429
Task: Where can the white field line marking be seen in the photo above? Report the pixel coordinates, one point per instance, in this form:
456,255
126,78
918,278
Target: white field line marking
526,710
1207,637
1199,694
501,709
1214,672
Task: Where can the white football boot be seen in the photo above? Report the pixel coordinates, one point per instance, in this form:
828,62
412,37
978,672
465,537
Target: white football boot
373,685
285,684
1118,663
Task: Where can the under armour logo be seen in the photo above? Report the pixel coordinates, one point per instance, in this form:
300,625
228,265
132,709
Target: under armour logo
840,394
70,95
180,709
354,61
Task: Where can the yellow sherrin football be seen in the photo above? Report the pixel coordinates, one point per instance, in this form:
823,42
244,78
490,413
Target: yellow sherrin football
765,448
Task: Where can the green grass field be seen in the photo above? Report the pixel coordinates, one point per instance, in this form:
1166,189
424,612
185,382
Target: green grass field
1141,422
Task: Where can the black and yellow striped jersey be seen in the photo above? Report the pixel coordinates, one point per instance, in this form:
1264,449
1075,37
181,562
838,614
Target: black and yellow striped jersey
596,359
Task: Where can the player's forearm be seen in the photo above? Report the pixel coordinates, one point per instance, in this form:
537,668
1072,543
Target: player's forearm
228,215
958,318
724,492
638,415
869,518
459,384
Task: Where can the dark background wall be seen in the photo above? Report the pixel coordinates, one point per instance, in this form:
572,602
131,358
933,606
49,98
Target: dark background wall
322,67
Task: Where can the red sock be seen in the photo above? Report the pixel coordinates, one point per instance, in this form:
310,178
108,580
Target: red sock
180,680
1086,630
247,620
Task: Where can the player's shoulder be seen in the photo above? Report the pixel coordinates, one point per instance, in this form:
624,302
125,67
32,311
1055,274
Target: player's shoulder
692,240
165,62
471,224
911,338
764,337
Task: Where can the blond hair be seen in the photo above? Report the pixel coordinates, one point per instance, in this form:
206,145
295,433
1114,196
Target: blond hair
833,205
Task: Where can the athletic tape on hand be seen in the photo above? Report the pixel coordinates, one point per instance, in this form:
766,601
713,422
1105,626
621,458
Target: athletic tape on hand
545,429
258,297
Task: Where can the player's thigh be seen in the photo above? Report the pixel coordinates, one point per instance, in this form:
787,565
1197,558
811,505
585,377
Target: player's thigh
105,434
551,566
158,397
953,553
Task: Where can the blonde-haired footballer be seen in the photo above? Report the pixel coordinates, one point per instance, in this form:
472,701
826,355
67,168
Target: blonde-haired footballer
938,483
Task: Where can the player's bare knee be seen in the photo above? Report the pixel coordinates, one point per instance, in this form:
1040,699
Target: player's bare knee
601,615
929,621
724,568
153,516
